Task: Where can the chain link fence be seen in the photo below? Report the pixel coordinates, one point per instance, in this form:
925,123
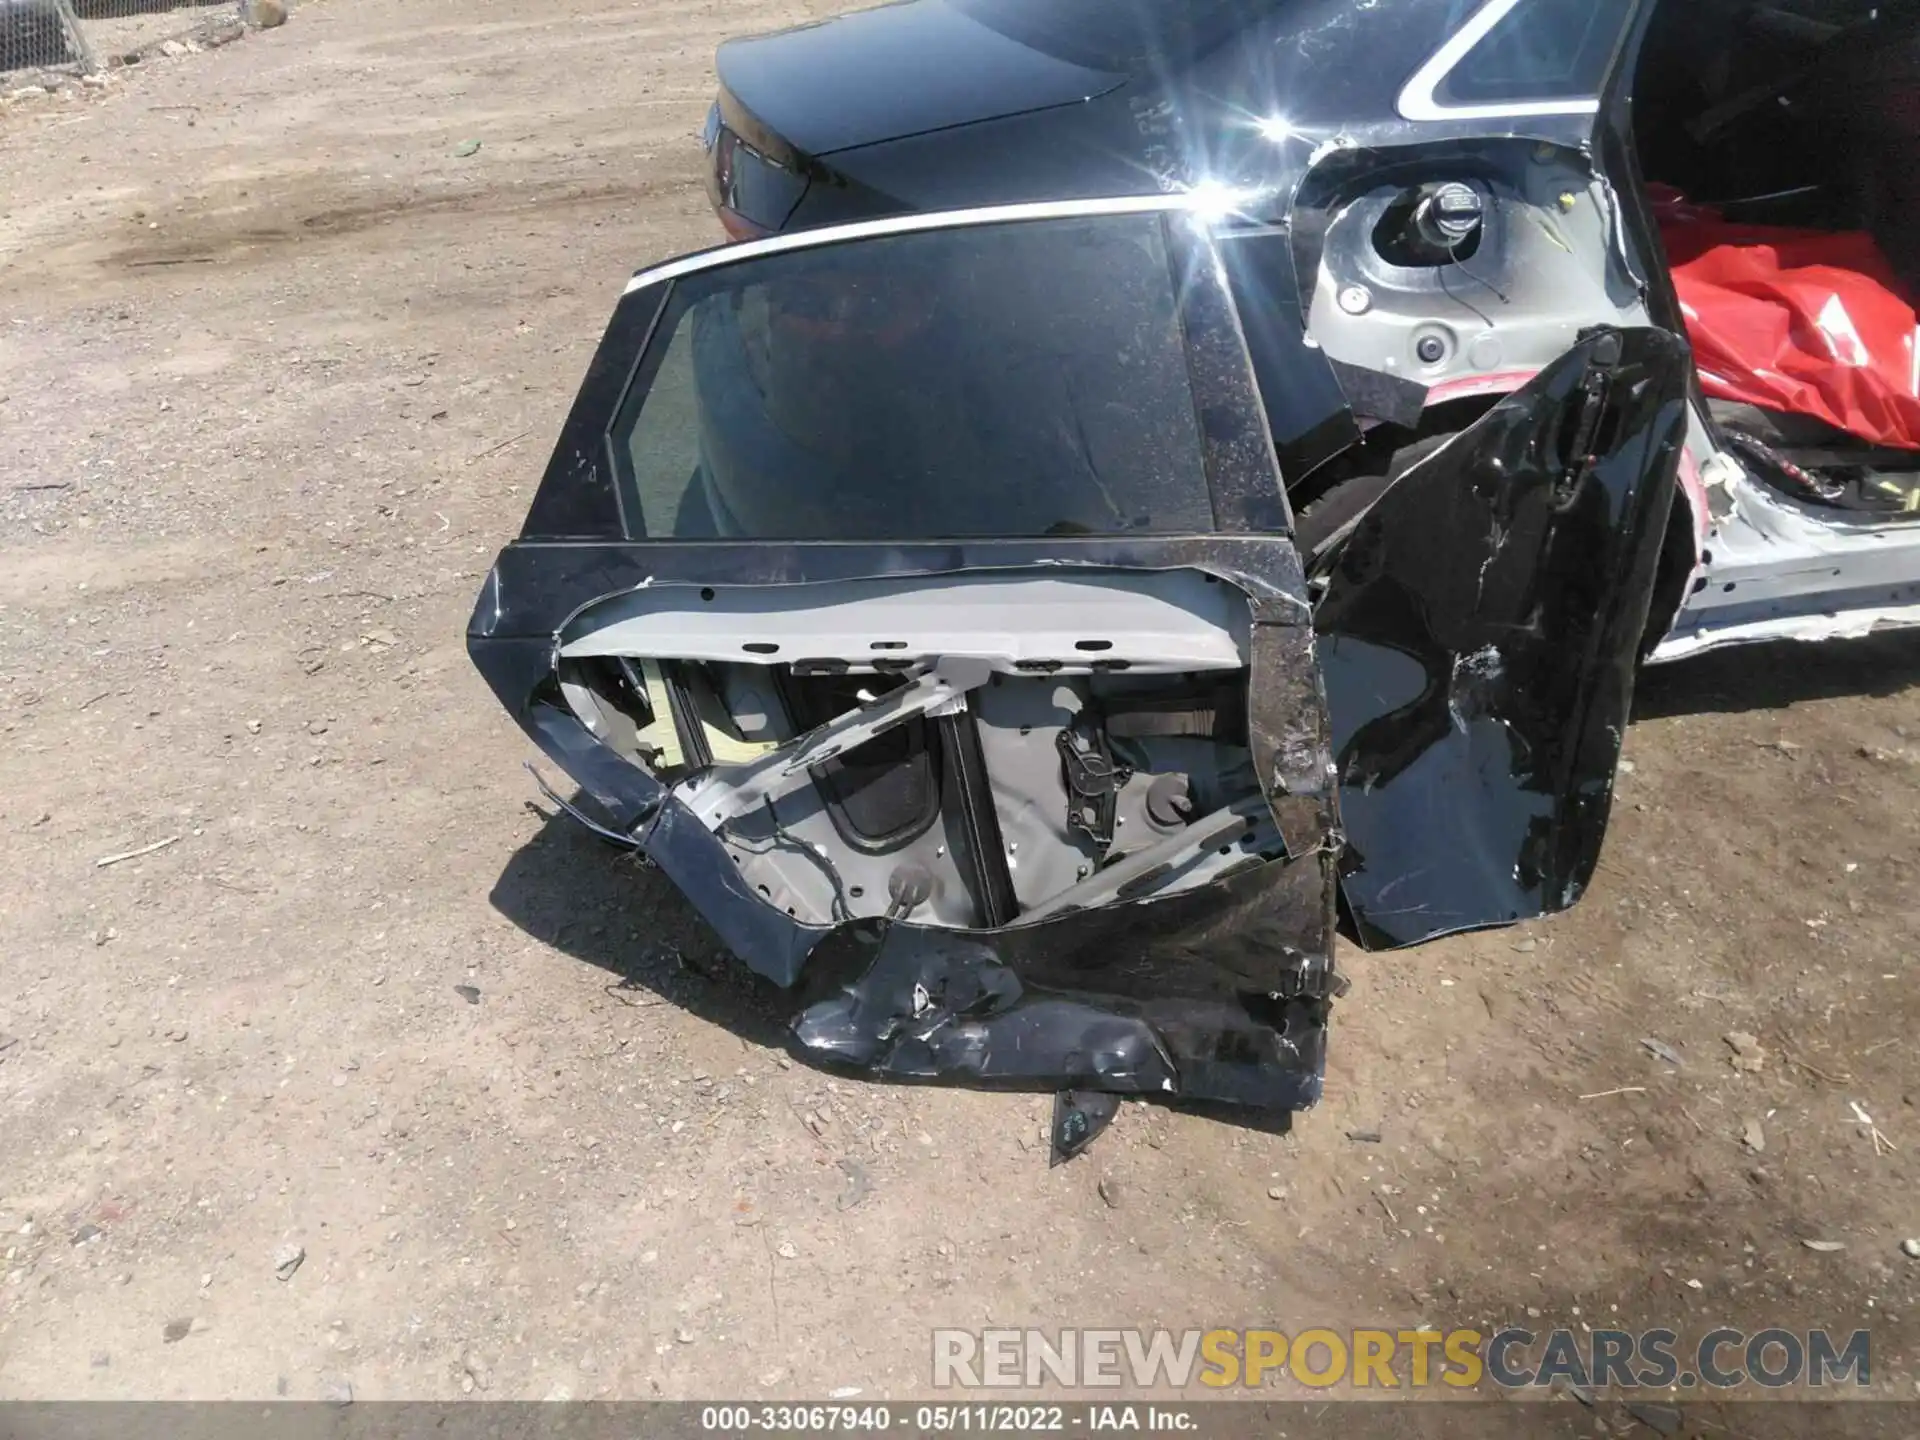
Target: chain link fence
51,38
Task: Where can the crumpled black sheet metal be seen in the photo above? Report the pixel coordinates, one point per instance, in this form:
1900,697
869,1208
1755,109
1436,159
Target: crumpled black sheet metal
1479,640
1216,994
1079,1118
1162,997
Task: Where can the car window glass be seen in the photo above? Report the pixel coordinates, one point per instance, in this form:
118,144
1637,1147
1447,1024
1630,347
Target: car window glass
1017,380
1542,50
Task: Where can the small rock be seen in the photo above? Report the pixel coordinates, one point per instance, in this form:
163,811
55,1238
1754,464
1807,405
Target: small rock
558,1394
773,1377
96,81
266,14
1364,1137
1825,1247
172,48
1753,1137
466,148
1525,947
86,1233
859,1184
175,1330
788,1250
1662,1051
685,1336
1910,1248
468,993
1276,1192
1110,1191
1748,1054
336,1390
477,1371
287,1259
253,727
843,1392
100,1360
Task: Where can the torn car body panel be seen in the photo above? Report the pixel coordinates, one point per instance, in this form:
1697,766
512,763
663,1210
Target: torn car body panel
1479,636
1210,941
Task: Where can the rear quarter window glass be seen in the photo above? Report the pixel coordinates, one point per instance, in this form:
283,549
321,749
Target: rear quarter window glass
1542,50
1015,380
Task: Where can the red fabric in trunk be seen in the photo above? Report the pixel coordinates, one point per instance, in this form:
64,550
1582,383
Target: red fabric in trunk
1811,322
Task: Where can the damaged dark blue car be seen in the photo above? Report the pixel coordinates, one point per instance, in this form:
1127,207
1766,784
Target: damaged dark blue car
1145,493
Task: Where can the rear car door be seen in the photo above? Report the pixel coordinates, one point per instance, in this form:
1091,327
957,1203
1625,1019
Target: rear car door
919,597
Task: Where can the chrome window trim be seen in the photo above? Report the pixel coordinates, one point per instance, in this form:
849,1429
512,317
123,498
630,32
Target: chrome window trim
1190,201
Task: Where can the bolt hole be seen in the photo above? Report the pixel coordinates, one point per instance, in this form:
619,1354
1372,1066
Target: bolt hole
1093,644
888,645
760,647
706,592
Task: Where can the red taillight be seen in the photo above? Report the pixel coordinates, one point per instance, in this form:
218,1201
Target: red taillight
738,227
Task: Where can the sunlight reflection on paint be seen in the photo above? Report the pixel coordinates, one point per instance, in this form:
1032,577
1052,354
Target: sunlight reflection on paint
1210,200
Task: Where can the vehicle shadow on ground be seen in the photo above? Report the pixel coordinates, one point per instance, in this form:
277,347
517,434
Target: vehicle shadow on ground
588,900
1771,677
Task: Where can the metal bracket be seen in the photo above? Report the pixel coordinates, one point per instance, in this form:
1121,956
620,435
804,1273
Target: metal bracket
726,791
1136,876
1094,780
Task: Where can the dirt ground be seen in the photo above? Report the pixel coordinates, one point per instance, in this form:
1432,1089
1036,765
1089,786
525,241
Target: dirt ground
278,369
